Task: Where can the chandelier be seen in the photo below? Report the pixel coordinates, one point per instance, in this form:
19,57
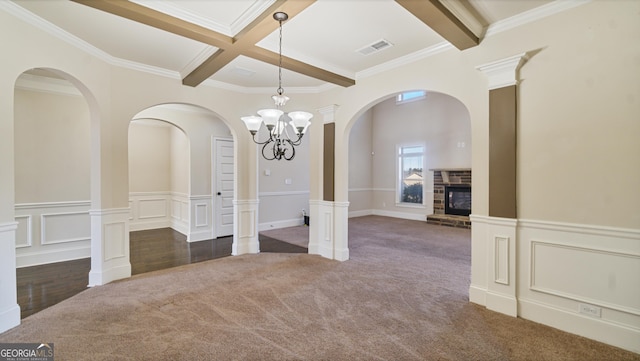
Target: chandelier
285,129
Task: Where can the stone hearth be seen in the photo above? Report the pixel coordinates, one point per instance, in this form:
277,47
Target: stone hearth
442,177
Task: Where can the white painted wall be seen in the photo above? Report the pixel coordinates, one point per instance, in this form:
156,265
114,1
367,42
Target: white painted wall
577,156
150,156
52,189
281,204
52,138
360,166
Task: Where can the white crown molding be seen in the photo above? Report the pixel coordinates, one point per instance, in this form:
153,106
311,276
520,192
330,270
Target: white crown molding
532,15
267,90
257,8
197,60
498,27
328,113
465,16
503,72
407,59
73,40
169,8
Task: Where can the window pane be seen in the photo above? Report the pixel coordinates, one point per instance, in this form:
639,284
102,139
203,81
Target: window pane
411,163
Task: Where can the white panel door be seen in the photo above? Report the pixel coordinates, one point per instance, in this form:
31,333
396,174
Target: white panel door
224,187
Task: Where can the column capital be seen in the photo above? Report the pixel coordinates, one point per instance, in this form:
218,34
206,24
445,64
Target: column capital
503,72
328,113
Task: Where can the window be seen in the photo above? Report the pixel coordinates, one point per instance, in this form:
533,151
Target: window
410,166
410,96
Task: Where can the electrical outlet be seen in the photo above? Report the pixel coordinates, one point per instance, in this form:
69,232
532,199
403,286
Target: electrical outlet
590,310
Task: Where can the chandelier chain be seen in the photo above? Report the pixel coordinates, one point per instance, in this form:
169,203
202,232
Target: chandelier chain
280,90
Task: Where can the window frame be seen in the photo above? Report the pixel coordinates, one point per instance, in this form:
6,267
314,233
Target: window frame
399,178
401,98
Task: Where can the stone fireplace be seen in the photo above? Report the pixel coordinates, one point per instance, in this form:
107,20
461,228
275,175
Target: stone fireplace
451,197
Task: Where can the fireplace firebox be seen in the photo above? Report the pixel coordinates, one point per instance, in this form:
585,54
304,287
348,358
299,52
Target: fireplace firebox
457,200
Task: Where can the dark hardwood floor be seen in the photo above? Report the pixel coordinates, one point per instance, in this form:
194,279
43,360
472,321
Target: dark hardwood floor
42,286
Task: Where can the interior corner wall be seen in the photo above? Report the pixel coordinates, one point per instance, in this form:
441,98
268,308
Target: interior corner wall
284,188
149,157
179,161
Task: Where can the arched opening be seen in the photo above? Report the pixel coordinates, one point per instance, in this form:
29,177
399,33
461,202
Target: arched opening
397,152
181,179
435,129
52,157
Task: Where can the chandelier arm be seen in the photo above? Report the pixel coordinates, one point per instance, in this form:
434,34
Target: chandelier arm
293,150
297,141
264,147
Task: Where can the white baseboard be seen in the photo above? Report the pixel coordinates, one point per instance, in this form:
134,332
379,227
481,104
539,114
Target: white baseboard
281,224
143,226
362,213
9,318
402,215
478,295
62,255
200,236
573,322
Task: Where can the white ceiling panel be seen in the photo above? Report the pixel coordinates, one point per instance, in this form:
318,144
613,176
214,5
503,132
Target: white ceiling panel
327,34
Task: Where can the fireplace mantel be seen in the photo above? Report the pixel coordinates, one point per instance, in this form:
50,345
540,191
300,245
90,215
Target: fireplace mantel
446,171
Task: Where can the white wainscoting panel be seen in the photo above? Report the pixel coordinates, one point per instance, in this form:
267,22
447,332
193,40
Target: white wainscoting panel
501,248
24,237
9,309
115,241
65,227
201,221
149,210
152,208
180,212
245,224
564,267
52,232
614,288
202,215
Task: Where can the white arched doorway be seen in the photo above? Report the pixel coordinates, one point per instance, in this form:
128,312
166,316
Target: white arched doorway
189,202
53,180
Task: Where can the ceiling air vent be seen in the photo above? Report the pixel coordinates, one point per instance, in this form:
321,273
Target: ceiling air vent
375,47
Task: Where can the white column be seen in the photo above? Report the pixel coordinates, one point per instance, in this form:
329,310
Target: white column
109,246
493,239
341,231
9,309
328,234
245,227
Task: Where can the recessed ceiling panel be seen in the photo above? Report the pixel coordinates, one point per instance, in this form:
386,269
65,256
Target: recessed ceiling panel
330,34
118,37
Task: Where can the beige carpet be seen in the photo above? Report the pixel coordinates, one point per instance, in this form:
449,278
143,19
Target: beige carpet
402,296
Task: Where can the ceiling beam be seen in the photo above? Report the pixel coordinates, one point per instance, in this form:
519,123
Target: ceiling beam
297,66
443,21
228,48
159,20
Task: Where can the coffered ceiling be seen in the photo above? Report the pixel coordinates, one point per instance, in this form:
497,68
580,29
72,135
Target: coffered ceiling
234,43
